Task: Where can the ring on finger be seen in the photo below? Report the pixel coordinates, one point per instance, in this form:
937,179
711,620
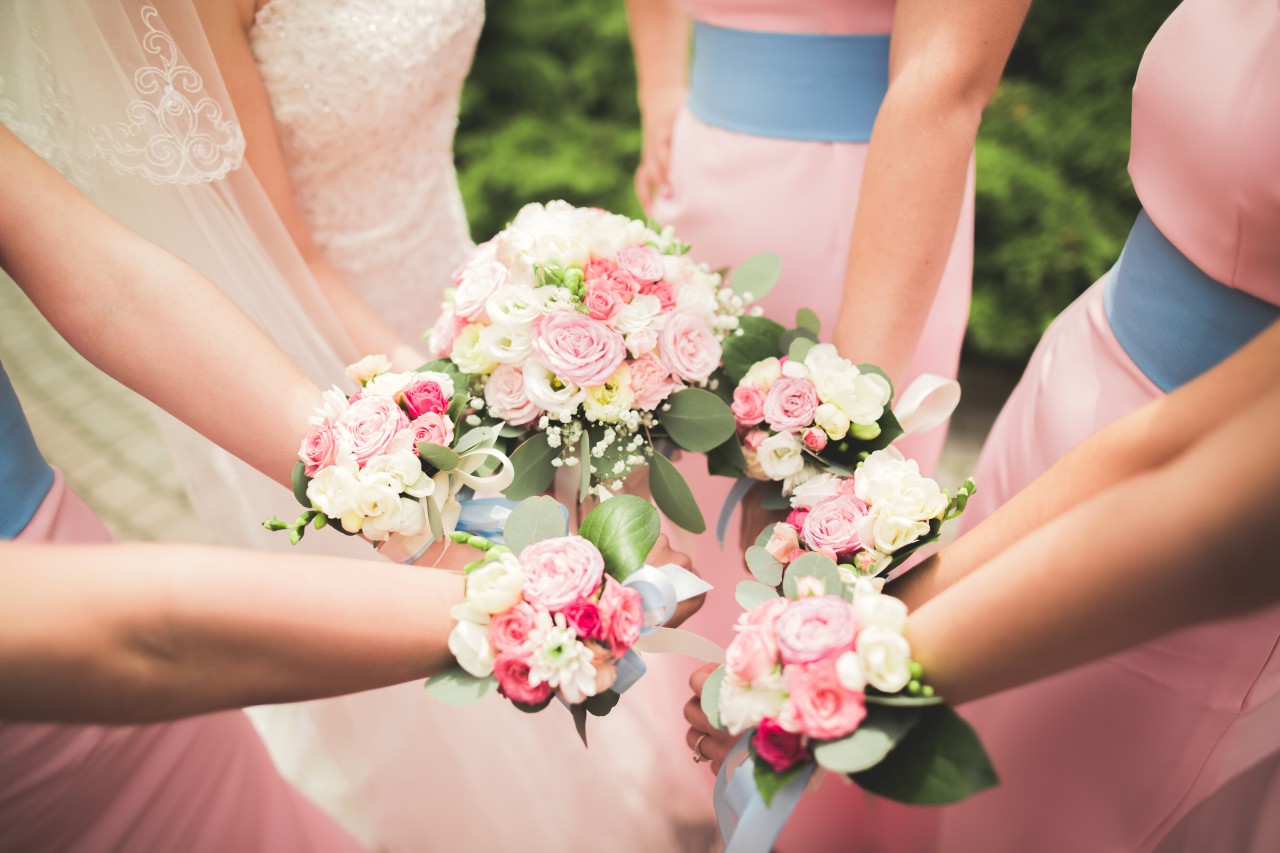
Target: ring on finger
698,757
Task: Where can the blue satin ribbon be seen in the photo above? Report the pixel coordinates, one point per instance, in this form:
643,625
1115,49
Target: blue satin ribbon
1170,317
485,516
802,86
25,478
731,501
747,825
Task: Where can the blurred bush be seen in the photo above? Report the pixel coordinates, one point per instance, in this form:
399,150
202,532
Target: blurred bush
549,112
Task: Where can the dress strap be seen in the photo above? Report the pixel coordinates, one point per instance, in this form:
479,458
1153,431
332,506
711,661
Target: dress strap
25,478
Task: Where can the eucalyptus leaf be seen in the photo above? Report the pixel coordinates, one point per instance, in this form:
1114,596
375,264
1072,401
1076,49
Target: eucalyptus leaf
534,471
901,700
765,535
774,499
726,459
711,696
807,318
789,338
766,567
483,436
769,781
456,686
300,481
624,528
443,458
940,761
756,276
458,405
881,730
433,518
602,703
697,420
509,431
751,595
800,348
815,566
673,496
533,520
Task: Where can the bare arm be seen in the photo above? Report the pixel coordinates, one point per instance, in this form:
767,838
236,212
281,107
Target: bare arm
945,61
660,42
227,24
138,633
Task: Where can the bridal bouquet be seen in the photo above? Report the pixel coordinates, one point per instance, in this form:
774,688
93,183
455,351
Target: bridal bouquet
594,337
388,461
823,678
548,615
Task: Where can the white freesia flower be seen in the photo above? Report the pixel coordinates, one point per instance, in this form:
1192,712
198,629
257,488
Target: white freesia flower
886,477
560,659
885,657
555,399
744,704
465,611
886,532
368,367
861,396
551,299
795,370
808,493
781,456
333,492
469,354
798,479
469,643
388,384
849,672
512,305
642,342
877,610
642,312
496,586
832,421
763,374
404,467
871,395
333,405
506,344
377,501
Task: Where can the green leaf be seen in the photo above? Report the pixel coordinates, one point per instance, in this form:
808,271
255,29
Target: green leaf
750,594
456,686
766,567
756,276
579,714
899,700
807,318
509,431
726,460
624,528
433,518
533,520
940,761
300,481
534,471
758,341
483,436
789,338
800,348
602,703
711,696
879,733
815,566
768,781
774,499
765,535
697,420
673,496
443,458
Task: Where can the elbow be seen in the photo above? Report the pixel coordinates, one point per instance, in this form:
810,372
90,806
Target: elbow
942,97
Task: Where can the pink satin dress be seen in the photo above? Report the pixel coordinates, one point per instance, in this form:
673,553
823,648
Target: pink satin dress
1174,744
200,785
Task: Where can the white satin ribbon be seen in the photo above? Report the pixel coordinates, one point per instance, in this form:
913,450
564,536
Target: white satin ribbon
927,403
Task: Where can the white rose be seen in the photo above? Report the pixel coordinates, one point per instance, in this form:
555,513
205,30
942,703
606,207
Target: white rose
849,672
808,493
333,492
506,344
781,456
887,532
496,586
885,657
537,384
763,374
368,367
795,370
480,279
640,313
879,478
745,704
469,643
877,610
832,421
469,354
388,384
512,305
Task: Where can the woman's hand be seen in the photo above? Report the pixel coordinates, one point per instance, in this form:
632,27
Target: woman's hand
662,554
658,117
703,738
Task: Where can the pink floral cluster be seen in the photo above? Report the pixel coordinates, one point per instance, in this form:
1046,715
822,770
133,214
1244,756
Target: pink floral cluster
550,621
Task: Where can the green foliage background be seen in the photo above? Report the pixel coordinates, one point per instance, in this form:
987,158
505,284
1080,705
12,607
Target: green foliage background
549,112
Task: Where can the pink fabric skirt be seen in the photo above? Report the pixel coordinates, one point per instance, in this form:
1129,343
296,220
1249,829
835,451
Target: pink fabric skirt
201,784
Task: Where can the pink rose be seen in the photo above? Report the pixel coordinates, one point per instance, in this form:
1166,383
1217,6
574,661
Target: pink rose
797,516
477,283
597,268
505,396
622,283
602,303
833,523
318,449
368,426
754,439
815,628
643,262
752,654
512,671
425,395
650,382
663,290
815,439
445,331
819,705
779,748
687,347
575,347
624,613
605,665
748,405
791,404
510,629
762,615
585,619
559,571
784,543
431,429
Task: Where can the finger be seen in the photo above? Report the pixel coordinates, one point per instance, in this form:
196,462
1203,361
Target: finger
694,716
644,185
699,677
687,608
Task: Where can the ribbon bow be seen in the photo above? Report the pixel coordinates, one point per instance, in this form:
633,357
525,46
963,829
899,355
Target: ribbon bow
747,824
661,588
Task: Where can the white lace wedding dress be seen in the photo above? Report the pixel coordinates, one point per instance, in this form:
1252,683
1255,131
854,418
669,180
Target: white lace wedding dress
365,95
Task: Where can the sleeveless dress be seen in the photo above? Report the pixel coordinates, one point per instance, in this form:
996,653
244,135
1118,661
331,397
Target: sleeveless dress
365,95
1174,744
200,784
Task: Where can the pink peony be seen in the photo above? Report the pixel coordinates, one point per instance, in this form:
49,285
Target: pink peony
602,303
748,405
575,347
687,347
476,284
762,615
815,439
318,449
642,262
512,671
559,571
624,613
505,396
510,629
445,331
665,293
815,628
784,543
585,619
779,748
819,705
368,426
650,382
425,395
791,404
833,524
432,429
752,654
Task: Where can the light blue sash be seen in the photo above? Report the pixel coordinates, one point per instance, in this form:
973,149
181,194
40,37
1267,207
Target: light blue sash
25,478
1172,319
819,88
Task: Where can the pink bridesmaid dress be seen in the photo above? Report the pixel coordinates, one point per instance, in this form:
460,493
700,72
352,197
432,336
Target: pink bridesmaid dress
201,784
1174,744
